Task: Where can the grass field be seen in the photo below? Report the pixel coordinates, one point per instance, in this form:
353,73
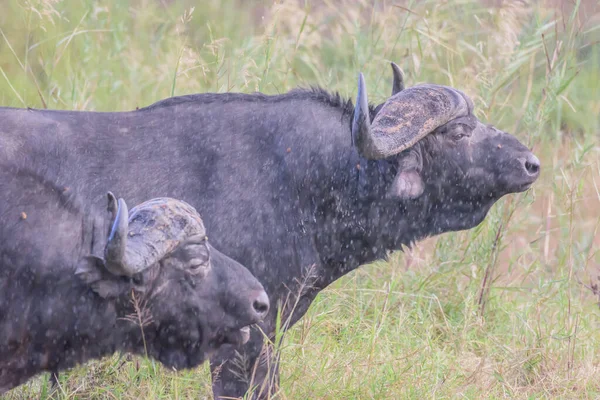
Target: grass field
509,309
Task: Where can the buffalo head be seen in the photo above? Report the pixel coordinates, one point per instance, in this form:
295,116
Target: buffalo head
440,160
192,298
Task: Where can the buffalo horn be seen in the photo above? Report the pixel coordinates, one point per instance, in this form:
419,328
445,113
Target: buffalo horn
405,118
151,230
114,252
398,84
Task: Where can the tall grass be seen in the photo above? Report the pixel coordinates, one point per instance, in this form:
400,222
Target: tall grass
508,309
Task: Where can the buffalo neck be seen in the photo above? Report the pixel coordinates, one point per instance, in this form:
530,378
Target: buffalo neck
54,324
352,226
355,222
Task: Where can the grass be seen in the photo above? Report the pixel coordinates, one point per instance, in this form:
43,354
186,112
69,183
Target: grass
505,310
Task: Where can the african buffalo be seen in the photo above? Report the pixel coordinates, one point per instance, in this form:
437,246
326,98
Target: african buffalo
78,283
301,187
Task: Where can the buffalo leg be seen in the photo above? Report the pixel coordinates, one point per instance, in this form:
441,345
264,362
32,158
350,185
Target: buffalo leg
53,380
253,367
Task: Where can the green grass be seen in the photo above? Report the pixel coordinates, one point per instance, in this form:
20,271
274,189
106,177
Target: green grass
500,311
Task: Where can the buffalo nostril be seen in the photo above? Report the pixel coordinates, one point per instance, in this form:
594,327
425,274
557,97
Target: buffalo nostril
532,165
261,305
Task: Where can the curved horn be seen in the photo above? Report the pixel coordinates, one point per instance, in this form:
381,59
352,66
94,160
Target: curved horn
361,123
409,116
155,228
114,252
398,84
112,204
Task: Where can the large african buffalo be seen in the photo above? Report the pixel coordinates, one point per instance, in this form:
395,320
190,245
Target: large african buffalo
301,187
78,283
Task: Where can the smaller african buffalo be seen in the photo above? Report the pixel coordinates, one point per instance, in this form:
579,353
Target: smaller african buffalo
71,279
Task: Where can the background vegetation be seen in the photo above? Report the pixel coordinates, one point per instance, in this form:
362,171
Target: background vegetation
506,310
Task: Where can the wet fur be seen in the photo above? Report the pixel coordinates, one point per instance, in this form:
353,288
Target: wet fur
277,180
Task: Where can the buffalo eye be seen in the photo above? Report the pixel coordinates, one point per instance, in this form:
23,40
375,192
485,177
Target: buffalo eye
192,255
198,261
137,279
197,257
197,266
460,132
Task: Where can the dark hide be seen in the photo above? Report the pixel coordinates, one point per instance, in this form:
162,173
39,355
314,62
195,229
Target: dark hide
281,187
59,307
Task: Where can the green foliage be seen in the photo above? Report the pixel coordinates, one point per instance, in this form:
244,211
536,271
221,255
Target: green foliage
502,310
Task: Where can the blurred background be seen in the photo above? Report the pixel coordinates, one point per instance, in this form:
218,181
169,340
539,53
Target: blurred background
508,309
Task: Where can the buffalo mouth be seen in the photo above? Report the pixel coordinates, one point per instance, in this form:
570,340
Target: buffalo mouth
526,174
236,337
195,354
182,347
245,331
523,184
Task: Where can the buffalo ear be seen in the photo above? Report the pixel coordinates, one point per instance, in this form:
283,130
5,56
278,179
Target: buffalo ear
408,183
92,272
